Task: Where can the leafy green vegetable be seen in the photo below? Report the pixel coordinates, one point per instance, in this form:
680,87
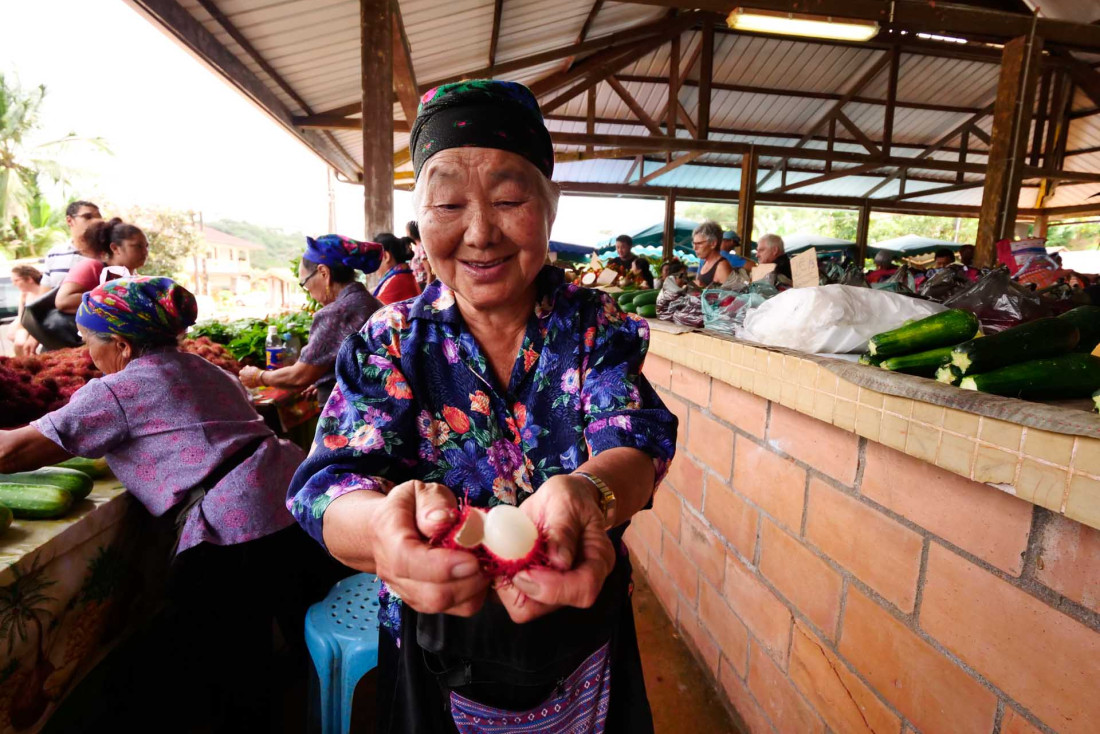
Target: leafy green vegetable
245,338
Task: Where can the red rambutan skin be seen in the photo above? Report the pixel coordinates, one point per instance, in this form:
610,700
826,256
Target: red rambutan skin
491,565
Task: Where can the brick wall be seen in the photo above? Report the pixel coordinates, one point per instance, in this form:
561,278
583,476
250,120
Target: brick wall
829,583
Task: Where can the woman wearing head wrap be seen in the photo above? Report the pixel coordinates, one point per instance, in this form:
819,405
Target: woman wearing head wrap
499,385
398,281
326,272
181,435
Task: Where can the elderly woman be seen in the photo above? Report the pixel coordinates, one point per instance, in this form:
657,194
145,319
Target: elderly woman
713,268
182,437
500,384
327,273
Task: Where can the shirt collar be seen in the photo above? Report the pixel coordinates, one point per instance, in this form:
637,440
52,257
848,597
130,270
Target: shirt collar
437,302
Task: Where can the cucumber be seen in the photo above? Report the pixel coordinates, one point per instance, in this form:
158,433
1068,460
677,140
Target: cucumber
645,298
1033,340
949,374
76,483
1096,400
626,297
95,468
921,363
5,518
1087,321
35,501
649,310
1072,375
870,360
939,330
629,308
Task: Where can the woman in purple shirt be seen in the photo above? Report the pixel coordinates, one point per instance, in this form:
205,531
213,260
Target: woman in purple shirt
182,437
327,273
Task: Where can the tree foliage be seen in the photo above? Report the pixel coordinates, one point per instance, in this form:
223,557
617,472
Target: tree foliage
279,246
173,238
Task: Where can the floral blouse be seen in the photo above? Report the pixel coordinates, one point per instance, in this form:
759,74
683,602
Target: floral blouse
334,323
416,399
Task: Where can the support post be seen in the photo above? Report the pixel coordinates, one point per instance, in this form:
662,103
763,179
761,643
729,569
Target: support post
863,226
376,36
891,101
1011,126
590,119
746,199
706,72
669,237
673,86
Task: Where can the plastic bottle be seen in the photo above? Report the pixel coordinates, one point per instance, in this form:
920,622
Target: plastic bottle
275,349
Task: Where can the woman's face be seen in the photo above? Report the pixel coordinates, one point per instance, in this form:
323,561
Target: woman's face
316,283
25,285
130,253
703,246
108,355
484,224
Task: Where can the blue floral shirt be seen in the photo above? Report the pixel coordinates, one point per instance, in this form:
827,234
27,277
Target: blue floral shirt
415,398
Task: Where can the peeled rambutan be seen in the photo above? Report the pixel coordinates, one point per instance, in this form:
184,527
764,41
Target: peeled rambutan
503,538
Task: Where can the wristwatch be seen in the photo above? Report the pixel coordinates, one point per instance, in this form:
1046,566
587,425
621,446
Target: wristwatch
607,497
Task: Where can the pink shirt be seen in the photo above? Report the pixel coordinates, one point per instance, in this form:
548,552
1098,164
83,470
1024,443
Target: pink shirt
85,273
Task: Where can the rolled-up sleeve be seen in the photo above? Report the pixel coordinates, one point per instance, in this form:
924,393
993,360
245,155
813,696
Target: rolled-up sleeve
621,407
91,424
362,435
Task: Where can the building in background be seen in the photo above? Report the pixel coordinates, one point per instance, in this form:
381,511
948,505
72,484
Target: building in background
226,266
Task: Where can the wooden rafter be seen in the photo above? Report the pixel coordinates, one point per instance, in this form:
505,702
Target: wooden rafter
980,134
632,103
873,71
891,100
404,75
860,136
672,166
831,176
494,38
964,186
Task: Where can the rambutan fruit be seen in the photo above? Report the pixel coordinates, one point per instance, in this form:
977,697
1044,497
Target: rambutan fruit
503,538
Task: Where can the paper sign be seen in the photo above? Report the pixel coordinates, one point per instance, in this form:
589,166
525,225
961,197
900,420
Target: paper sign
760,272
804,269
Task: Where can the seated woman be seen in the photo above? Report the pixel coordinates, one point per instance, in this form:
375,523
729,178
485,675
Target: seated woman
327,273
398,282
500,384
707,242
28,281
641,272
115,249
182,437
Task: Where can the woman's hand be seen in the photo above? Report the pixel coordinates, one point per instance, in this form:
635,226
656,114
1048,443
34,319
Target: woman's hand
580,554
250,376
430,580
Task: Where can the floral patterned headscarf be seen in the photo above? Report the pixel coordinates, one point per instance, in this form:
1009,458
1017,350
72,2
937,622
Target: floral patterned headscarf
141,309
336,249
481,113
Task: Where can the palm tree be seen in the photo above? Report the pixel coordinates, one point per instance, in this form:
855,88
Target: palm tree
23,605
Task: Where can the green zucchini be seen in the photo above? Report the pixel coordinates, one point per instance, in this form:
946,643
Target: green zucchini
939,330
870,360
1096,400
76,483
5,518
921,363
1073,375
95,468
35,501
649,310
629,308
1033,340
645,298
949,374
1087,321
625,297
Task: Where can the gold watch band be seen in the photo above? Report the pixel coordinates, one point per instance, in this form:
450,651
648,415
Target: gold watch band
607,497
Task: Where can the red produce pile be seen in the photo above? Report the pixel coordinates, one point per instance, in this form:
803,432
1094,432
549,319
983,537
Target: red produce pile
30,387
212,352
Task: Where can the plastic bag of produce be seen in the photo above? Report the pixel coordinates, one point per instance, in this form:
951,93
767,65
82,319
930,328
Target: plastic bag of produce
831,318
853,275
724,308
900,282
999,303
944,283
680,304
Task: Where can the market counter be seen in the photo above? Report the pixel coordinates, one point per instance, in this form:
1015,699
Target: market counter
844,548
68,589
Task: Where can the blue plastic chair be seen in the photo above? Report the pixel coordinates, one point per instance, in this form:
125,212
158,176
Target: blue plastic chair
342,637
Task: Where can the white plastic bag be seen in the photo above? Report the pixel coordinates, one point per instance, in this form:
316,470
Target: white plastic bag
831,318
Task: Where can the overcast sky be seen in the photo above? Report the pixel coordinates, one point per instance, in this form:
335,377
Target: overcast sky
181,137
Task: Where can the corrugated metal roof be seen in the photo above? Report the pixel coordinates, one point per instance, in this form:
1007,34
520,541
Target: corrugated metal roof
313,45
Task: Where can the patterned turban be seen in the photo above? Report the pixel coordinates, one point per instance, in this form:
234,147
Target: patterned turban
336,249
138,308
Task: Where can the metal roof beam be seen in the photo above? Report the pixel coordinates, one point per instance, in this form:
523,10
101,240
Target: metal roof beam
920,16
801,93
190,33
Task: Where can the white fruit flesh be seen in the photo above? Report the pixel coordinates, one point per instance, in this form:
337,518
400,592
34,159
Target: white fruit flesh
472,530
509,533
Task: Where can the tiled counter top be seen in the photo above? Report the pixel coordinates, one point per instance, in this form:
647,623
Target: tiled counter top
1056,469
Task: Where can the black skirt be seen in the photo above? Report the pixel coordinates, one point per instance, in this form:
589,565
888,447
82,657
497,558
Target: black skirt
490,659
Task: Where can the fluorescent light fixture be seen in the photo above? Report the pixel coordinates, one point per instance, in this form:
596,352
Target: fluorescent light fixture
793,24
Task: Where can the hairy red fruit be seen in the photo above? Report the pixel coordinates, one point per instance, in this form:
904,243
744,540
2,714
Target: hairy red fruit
503,538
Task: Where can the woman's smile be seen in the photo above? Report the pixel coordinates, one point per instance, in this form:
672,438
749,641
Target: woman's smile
486,270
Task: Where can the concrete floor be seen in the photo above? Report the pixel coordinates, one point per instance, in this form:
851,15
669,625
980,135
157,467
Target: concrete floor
680,694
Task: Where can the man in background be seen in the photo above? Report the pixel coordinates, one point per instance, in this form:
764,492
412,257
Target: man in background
61,257
730,244
624,245
770,249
